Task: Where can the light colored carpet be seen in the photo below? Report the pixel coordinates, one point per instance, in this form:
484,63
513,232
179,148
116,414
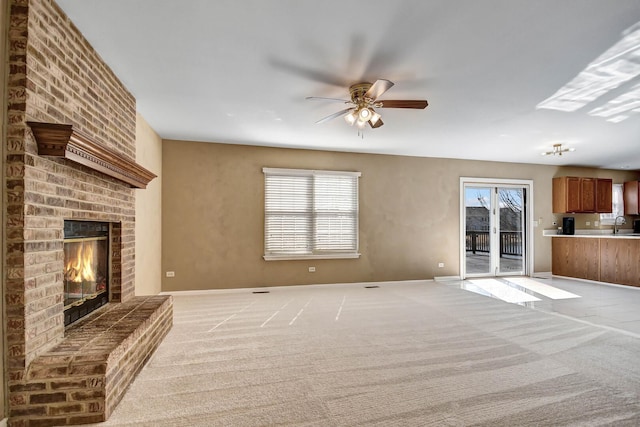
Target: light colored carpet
403,354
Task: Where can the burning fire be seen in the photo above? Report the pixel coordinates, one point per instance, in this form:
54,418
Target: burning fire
80,268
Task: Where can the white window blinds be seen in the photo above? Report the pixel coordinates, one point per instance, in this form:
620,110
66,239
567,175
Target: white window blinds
617,206
310,214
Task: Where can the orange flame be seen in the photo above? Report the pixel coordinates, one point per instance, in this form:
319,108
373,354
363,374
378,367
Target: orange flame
80,268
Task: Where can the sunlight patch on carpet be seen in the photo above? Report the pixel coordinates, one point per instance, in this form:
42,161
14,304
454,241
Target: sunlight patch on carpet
502,291
541,288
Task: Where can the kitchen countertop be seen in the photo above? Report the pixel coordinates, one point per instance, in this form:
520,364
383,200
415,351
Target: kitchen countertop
601,234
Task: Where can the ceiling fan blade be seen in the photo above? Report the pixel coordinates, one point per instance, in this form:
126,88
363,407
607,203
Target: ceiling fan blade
308,73
378,88
377,125
320,98
334,115
404,104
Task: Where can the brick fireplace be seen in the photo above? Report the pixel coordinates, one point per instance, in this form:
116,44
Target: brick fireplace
56,77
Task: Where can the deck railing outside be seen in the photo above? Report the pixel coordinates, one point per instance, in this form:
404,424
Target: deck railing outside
510,242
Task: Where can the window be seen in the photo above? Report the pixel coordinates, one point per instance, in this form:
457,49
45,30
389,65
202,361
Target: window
617,202
310,214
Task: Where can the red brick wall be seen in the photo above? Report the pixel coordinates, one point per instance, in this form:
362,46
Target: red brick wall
55,76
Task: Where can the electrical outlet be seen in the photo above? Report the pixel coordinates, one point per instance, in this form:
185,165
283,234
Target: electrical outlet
312,269
596,223
588,222
441,265
171,274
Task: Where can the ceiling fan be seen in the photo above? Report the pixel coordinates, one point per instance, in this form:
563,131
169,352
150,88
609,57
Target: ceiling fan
364,100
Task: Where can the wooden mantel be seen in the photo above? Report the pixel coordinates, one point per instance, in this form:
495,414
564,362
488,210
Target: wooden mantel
61,140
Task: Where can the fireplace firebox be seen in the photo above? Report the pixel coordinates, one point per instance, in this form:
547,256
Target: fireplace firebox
86,268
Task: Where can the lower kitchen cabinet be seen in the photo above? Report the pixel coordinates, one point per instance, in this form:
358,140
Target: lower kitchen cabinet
611,260
576,257
620,261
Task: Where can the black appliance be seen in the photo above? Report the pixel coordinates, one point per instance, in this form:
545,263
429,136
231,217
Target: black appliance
568,225
636,225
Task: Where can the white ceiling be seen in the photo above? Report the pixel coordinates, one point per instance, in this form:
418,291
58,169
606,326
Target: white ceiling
238,71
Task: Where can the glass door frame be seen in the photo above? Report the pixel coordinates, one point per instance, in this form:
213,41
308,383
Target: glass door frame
528,232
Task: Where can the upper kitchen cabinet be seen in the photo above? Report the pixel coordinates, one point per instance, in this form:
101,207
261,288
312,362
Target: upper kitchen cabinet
566,194
581,195
588,194
631,198
604,194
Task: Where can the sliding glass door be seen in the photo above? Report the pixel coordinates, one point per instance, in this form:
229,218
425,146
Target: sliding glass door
494,229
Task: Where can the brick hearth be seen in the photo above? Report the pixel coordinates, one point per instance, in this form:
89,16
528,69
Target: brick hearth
55,76
83,378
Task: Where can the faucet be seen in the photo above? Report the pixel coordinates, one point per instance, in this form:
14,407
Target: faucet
615,223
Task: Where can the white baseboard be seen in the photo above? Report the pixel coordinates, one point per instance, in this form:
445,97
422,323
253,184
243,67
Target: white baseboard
447,278
542,274
273,288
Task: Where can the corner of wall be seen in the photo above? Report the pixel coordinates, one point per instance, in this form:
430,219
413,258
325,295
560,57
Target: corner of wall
148,212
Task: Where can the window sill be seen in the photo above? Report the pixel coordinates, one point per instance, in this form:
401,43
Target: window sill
303,257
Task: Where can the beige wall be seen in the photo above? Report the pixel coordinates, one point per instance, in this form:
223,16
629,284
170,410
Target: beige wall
212,206
148,212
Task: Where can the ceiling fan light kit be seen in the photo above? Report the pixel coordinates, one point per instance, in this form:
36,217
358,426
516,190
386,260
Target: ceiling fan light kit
364,100
351,117
557,150
364,114
374,118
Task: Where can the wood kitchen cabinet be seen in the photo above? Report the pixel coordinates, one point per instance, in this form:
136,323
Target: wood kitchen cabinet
631,198
560,260
581,195
576,257
588,194
620,261
604,195
566,194
604,259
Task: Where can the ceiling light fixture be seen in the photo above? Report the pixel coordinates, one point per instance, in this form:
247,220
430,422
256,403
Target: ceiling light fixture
351,117
374,118
557,150
363,111
364,114
364,102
